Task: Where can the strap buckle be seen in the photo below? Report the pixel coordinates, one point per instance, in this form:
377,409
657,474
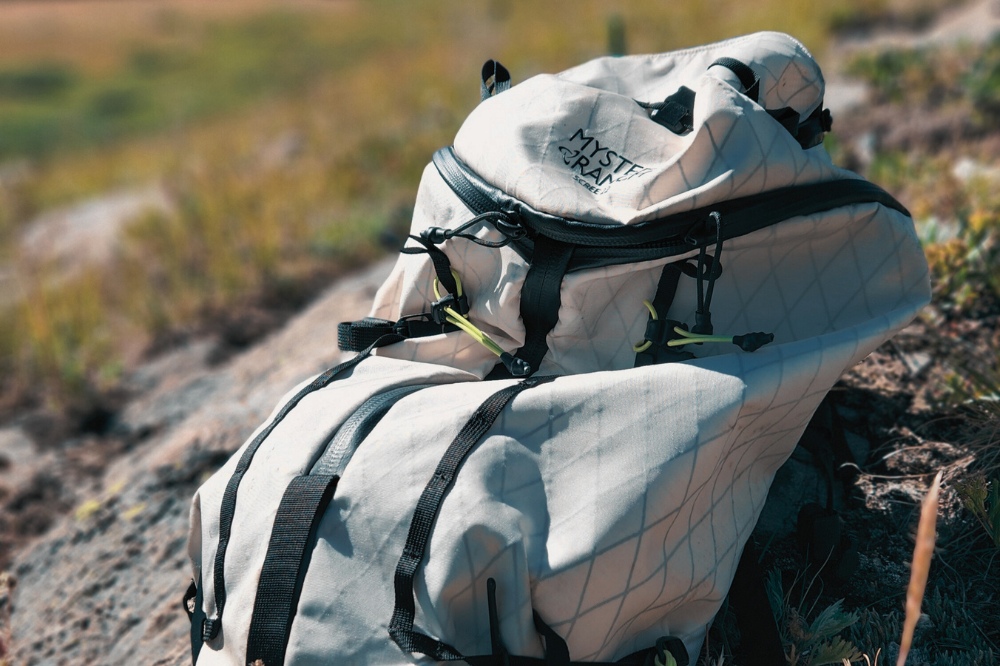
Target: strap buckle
459,304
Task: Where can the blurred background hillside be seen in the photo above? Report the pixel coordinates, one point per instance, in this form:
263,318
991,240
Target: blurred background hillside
180,171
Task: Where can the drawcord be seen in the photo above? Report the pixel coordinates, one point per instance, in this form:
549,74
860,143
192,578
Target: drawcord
748,342
702,329
687,337
500,220
646,344
516,366
431,237
703,315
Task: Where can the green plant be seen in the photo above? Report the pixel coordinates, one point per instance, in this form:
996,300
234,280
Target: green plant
982,499
891,73
816,641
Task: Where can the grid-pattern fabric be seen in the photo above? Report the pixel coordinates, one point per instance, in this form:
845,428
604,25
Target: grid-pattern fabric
613,501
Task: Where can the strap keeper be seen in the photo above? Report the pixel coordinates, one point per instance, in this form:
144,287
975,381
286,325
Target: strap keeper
459,304
661,331
670,650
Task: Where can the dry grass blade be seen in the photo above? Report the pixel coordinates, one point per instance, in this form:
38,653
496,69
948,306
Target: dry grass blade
922,552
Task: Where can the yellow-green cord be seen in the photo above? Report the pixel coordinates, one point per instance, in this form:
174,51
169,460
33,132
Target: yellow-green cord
688,337
646,344
463,322
695,338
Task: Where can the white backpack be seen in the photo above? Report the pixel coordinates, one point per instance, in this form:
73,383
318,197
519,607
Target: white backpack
628,287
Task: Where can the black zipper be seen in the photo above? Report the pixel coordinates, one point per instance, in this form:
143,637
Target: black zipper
345,441
603,244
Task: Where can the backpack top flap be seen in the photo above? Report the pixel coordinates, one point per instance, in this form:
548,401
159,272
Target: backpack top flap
579,145
563,199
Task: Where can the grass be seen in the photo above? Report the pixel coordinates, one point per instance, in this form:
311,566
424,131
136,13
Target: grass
811,637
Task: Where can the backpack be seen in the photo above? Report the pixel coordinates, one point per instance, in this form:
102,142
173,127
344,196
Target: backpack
626,289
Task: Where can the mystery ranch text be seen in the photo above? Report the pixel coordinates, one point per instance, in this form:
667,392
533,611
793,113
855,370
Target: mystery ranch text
596,166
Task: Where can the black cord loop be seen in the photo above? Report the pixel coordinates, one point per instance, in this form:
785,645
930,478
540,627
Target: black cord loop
501,221
703,314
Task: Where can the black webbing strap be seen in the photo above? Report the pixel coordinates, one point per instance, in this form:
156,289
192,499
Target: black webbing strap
540,301
355,336
304,502
421,526
760,643
556,651
748,78
495,79
293,536
440,261
422,523
211,626
193,606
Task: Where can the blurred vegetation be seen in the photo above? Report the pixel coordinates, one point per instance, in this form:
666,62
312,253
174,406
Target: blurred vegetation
964,75
890,14
958,211
188,71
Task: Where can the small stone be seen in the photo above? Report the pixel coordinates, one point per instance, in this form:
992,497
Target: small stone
916,362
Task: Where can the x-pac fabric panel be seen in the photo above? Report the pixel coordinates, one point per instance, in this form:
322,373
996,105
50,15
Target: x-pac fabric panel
796,279
616,528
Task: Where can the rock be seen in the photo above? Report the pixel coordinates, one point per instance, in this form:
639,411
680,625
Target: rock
916,362
103,586
967,169
843,95
85,233
282,150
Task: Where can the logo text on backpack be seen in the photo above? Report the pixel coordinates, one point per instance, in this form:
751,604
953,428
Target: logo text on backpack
595,166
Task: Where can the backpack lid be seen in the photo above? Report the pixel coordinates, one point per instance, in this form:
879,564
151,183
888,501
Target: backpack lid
582,144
